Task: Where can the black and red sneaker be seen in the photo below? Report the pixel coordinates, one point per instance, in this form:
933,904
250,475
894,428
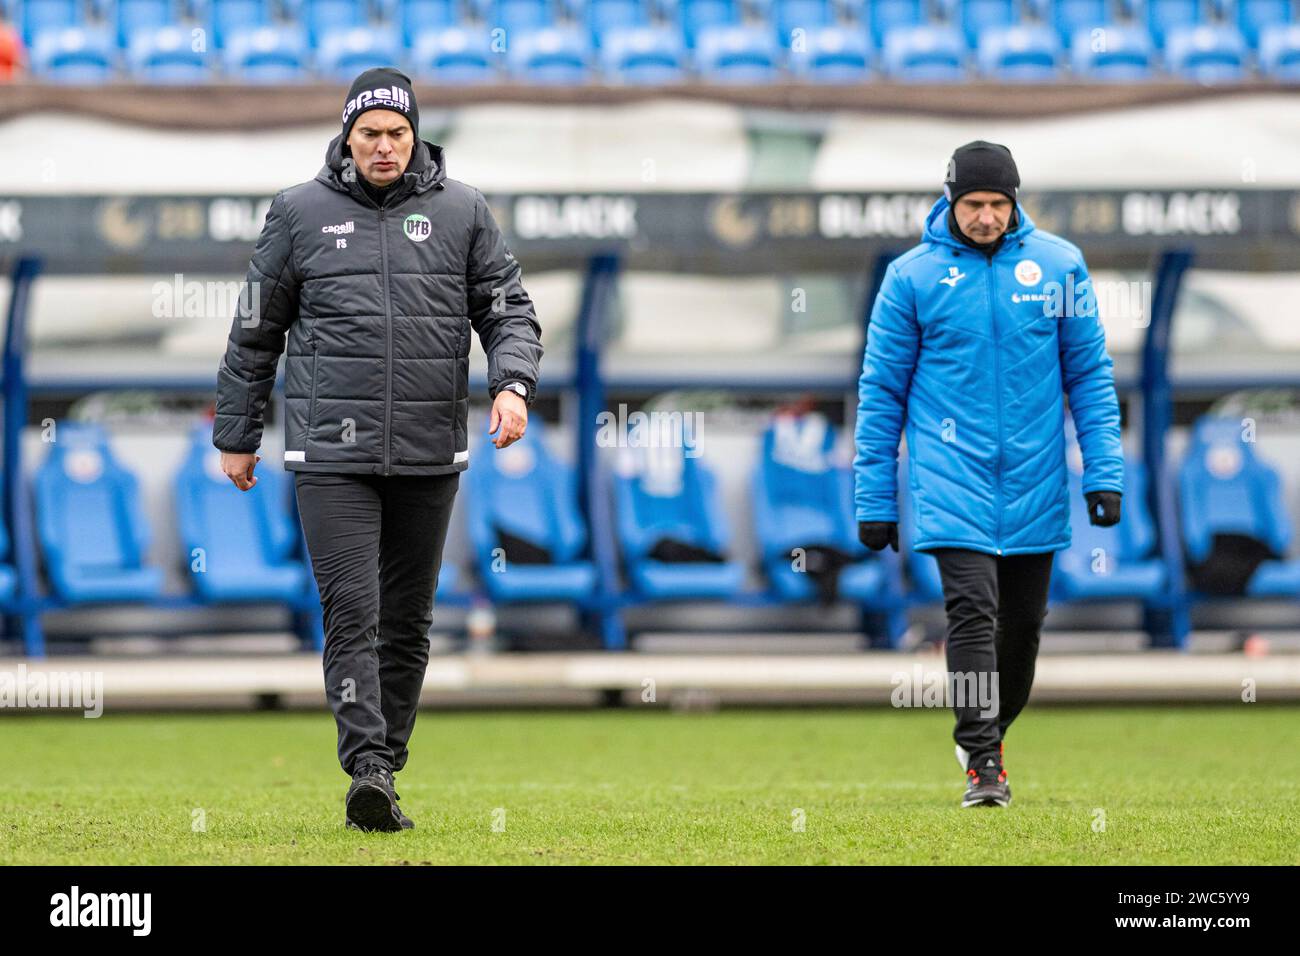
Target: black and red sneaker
986,782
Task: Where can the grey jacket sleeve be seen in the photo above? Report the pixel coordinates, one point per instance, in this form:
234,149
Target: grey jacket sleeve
268,305
499,308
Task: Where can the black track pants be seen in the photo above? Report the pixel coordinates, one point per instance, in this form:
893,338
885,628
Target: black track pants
996,606
376,548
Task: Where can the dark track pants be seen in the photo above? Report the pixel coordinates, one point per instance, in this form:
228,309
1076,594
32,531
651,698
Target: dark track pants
376,549
996,606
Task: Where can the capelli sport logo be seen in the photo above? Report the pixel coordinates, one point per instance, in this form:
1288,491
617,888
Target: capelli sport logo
417,227
389,97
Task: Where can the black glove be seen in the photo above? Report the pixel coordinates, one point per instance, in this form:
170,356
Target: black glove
1103,508
876,534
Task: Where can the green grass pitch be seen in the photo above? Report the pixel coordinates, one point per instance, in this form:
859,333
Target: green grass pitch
1111,785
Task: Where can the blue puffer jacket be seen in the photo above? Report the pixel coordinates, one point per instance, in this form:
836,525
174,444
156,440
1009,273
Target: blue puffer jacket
974,353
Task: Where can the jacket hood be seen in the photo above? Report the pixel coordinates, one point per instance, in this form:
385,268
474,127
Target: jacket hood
426,170
936,226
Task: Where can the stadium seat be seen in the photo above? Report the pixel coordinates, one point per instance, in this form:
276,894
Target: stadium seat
976,16
1164,16
523,491
732,54
555,55
1225,489
342,54
833,55
1068,17
1206,54
167,55
925,54
455,56
520,16
663,496
46,16
603,17
267,55
803,499
695,16
878,17
643,56
1255,16
8,576
798,18
1019,54
238,545
90,522
74,55
1114,563
1113,54
225,18
1279,52
135,17
322,17
420,16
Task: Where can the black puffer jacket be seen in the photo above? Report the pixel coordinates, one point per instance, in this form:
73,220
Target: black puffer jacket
377,304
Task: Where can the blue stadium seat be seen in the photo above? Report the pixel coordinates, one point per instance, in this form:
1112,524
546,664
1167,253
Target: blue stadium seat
342,54
456,56
8,576
238,545
1115,54
74,55
799,18
643,56
833,55
137,16
45,16
225,18
90,523
1164,16
695,16
735,54
662,494
554,55
975,16
520,16
1279,52
925,54
1071,16
1114,563
523,491
1206,54
1254,16
878,17
167,55
267,55
603,17
322,17
1224,488
803,498
420,16
1020,54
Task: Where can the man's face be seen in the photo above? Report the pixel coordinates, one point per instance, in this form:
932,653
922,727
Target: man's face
983,215
381,142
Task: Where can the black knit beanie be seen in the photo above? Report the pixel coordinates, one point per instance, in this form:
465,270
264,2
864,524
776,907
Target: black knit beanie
980,165
382,88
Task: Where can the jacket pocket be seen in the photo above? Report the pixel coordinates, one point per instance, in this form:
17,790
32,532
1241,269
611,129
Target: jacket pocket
311,406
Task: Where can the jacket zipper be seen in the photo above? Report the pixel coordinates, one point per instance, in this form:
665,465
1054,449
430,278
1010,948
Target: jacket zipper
997,403
388,338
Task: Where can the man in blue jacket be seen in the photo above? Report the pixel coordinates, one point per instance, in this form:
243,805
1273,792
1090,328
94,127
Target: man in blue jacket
975,337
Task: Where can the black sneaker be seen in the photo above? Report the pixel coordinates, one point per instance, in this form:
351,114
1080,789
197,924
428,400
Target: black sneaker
986,784
371,801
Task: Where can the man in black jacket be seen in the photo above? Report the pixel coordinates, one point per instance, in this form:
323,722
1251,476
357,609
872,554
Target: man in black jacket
376,271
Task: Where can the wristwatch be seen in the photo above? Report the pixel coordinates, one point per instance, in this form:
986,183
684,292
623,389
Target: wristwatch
519,388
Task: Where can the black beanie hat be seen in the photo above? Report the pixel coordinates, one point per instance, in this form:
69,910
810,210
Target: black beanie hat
981,165
382,88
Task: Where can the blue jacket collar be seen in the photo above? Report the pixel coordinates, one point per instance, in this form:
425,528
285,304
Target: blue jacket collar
936,227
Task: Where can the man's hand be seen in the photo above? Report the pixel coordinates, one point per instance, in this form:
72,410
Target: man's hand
1103,508
239,468
510,414
876,534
